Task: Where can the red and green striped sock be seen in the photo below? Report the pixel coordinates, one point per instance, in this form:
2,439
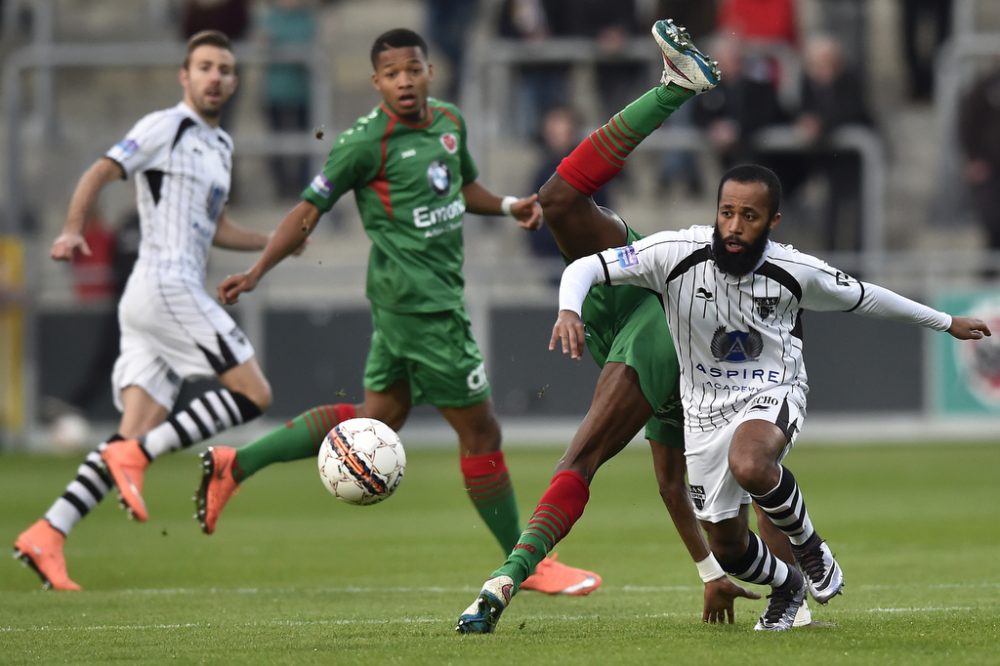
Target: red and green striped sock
600,156
558,510
299,438
488,483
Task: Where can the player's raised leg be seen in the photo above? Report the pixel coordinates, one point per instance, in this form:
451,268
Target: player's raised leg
579,226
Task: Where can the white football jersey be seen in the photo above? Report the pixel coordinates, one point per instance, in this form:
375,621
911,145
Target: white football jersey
182,169
735,336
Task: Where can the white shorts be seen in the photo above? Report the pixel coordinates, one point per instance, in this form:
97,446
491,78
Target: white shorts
714,492
172,331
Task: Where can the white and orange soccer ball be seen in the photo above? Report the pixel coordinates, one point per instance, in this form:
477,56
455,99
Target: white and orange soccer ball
361,461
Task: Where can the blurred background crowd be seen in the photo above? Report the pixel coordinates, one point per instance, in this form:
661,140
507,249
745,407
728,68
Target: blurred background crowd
882,118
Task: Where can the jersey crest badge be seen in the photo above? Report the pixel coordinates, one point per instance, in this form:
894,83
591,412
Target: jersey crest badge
737,346
450,142
765,306
627,256
439,177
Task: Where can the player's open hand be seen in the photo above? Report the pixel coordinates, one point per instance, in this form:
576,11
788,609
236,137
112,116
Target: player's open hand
719,597
229,290
65,247
969,328
527,212
569,332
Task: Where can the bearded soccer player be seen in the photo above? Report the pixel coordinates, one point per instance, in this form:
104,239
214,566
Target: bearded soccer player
413,178
628,336
171,329
734,301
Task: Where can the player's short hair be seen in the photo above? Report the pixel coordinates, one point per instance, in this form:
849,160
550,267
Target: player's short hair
206,38
755,173
398,38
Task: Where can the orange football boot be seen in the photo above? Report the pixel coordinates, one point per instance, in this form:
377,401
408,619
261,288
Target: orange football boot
217,485
127,465
41,548
553,577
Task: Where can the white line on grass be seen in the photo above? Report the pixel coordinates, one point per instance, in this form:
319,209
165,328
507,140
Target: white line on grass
398,620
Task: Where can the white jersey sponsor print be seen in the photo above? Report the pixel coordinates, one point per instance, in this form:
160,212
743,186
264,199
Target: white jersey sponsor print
182,168
734,336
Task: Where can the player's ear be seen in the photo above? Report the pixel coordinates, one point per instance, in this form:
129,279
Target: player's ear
775,221
375,80
430,71
182,76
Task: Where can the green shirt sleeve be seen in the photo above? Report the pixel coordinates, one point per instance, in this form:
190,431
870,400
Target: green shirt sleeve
354,160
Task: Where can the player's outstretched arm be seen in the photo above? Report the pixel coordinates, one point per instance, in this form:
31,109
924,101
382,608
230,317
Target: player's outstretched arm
968,328
525,210
93,180
289,236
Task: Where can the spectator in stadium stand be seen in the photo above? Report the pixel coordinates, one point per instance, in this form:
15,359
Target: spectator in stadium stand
171,328
979,136
925,25
740,106
287,88
833,97
408,165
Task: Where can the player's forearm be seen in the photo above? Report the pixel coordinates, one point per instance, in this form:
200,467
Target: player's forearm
885,304
577,279
481,201
231,236
87,191
290,234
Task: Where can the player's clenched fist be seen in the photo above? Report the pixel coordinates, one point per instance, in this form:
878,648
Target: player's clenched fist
229,290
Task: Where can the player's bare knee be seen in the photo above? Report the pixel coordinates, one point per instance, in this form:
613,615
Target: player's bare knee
261,395
753,473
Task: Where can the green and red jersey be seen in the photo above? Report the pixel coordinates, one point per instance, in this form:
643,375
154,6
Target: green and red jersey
407,181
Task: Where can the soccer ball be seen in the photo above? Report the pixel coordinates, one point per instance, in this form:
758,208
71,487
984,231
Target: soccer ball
361,461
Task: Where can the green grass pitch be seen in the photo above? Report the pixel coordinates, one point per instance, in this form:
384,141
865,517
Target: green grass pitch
294,577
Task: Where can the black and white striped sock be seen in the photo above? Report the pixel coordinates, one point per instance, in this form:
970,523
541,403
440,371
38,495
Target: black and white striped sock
757,565
205,416
787,509
83,493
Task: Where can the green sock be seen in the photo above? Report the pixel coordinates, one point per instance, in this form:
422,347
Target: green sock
297,439
643,115
487,482
529,551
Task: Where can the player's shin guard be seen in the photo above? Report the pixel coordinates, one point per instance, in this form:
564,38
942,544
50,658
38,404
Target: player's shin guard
554,516
787,509
83,493
205,416
297,439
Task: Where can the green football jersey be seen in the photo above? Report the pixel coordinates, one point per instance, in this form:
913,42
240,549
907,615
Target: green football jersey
407,181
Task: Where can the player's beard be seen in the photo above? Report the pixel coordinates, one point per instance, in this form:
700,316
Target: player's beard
740,263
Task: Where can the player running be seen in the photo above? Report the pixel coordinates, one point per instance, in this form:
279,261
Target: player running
413,178
171,329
